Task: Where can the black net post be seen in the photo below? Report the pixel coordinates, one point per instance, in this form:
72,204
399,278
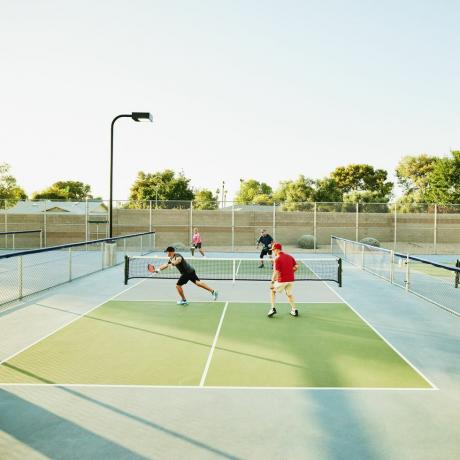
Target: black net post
126,269
339,274
457,274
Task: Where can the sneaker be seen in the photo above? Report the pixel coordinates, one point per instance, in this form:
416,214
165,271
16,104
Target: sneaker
295,312
271,312
214,294
182,302
261,266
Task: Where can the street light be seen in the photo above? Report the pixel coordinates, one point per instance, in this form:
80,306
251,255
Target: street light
136,116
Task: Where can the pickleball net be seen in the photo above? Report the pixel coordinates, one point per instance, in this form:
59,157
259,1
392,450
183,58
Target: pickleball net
235,269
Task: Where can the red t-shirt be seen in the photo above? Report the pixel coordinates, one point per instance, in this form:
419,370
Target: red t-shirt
284,265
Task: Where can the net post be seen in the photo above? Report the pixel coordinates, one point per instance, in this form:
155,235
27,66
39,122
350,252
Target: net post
150,215
20,277
457,274
339,273
233,226
407,280
395,226
41,238
126,269
14,241
234,271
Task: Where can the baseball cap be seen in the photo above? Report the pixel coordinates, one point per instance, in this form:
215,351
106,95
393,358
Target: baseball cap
170,249
277,246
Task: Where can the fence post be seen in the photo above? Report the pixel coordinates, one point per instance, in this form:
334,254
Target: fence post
14,241
357,223
191,223
274,221
20,277
150,215
395,226
6,223
70,264
44,225
86,219
233,226
435,230
407,280
362,257
392,261
314,230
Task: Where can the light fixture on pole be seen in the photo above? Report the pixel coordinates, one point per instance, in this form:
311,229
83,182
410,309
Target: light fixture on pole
136,116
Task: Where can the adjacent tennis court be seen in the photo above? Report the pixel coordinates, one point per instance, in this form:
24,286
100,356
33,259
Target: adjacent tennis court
224,344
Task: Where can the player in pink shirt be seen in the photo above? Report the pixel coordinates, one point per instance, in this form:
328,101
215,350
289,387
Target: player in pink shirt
196,242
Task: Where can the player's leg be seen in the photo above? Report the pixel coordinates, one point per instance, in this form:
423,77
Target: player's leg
192,249
182,280
197,282
272,310
291,300
262,254
200,249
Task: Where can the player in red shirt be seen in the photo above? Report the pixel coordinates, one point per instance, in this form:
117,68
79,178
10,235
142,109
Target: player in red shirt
283,278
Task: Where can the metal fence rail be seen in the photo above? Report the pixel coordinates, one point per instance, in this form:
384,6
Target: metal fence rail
436,282
27,272
21,239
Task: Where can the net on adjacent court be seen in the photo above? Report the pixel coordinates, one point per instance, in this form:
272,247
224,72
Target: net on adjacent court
20,239
314,269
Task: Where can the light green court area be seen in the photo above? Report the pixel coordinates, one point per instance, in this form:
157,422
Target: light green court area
161,343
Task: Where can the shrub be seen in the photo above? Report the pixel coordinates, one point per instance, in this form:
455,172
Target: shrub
371,241
306,242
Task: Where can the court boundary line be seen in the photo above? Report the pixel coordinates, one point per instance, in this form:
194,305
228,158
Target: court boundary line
67,324
222,301
383,338
213,346
211,387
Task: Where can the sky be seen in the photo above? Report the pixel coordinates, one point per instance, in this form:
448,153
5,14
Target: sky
238,89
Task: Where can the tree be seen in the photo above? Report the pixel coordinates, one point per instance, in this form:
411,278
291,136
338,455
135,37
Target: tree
444,180
296,195
10,191
160,186
327,191
362,177
254,192
204,199
65,190
413,172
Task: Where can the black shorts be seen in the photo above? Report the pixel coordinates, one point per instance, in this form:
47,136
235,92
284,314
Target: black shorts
197,245
186,277
265,251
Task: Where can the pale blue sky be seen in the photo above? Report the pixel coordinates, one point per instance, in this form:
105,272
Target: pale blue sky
238,89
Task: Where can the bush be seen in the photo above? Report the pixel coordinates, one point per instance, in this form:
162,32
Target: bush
371,241
306,242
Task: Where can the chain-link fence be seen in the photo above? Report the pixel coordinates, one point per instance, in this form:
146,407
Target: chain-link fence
28,272
435,282
414,228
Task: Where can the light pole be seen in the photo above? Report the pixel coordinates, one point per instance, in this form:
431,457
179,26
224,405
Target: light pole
136,116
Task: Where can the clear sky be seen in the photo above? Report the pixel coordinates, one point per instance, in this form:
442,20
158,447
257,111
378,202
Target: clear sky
238,88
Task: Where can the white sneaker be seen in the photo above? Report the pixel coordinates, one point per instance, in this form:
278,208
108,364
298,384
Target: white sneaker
271,312
294,312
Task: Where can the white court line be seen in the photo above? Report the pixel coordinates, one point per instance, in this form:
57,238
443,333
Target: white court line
383,338
221,301
67,324
211,387
211,352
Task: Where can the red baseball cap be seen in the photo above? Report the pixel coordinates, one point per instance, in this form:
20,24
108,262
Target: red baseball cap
277,246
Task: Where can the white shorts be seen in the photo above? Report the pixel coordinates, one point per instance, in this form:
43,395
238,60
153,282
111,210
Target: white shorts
286,287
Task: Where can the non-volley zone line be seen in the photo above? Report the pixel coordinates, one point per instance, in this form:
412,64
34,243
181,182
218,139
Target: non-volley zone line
232,345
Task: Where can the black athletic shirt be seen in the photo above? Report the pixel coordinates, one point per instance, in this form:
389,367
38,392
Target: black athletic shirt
184,267
266,240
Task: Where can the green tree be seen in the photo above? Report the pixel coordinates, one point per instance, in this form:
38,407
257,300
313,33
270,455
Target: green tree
65,190
327,191
296,195
160,186
444,180
413,173
254,192
361,178
10,191
204,199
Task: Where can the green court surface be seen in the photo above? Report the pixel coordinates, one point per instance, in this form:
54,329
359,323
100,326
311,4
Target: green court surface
214,344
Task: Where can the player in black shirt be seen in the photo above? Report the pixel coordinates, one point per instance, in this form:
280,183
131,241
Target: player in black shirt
187,273
266,241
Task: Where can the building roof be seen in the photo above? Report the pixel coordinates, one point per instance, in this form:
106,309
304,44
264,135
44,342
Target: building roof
58,207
